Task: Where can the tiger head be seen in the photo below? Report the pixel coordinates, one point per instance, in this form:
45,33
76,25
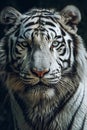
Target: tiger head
41,53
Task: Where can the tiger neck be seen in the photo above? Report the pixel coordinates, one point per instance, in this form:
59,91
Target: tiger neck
69,109
76,105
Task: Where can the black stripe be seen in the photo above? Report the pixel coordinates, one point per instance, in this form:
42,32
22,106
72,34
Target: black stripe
26,19
83,123
38,16
61,59
52,30
28,29
69,44
62,54
60,45
10,49
17,32
30,24
73,117
58,37
47,11
64,60
50,17
62,31
50,24
59,64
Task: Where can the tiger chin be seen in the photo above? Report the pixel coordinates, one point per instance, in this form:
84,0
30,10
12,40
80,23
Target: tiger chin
43,64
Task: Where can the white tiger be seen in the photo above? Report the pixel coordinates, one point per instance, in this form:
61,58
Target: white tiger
44,64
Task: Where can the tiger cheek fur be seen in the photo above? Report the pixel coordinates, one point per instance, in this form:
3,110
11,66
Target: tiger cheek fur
42,59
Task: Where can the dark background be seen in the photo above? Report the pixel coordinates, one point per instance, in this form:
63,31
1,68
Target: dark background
24,5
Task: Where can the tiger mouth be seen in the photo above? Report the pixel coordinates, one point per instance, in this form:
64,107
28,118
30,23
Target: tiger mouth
33,80
39,86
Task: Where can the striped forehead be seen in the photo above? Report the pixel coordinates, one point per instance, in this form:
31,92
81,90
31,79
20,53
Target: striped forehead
41,21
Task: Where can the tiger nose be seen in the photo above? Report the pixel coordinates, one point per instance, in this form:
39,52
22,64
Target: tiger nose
40,73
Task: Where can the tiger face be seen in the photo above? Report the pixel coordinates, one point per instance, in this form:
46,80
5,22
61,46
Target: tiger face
40,54
40,50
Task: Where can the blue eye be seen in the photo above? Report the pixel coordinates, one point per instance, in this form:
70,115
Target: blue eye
55,44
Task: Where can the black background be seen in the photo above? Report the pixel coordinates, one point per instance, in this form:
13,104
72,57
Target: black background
24,5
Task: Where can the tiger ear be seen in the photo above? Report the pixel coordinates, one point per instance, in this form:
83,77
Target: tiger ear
72,16
9,15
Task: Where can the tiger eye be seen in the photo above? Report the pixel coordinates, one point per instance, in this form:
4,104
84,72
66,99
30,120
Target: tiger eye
55,44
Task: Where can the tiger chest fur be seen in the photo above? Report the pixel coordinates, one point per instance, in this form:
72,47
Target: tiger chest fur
43,60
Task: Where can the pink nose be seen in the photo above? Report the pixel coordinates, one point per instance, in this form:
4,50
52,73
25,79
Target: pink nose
39,73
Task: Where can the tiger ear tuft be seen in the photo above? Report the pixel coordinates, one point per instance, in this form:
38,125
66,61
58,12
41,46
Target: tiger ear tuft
71,15
9,15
